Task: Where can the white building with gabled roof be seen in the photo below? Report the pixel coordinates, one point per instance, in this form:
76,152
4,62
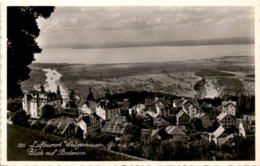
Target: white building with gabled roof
229,107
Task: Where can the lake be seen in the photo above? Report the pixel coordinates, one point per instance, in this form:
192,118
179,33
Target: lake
142,54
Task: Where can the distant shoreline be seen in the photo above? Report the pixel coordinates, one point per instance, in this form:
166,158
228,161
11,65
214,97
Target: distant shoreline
132,63
199,42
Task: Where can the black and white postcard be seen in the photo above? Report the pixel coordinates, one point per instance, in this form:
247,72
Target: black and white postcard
136,82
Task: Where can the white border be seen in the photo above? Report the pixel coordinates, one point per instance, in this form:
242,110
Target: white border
3,67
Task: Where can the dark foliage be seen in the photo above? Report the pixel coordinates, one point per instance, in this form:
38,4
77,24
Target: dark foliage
134,132
138,97
22,30
73,100
90,95
103,138
199,85
20,118
211,72
14,105
47,112
197,124
214,102
244,149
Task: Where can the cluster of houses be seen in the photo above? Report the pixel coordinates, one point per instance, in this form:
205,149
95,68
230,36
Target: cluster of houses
156,117
184,111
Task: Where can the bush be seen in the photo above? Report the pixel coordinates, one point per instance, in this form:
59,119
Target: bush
20,118
14,105
47,112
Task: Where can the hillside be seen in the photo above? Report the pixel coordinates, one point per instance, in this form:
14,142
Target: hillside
230,75
17,134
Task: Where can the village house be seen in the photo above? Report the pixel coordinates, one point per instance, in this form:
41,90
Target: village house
213,137
62,126
33,102
191,109
88,108
151,114
179,102
176,134
159,108
124,106
147,119
226,120
229,107
155,133
182,118
36,124
160,122
106,110
116,126
206,120
171,112
226,140
86,125
148,134
249,123
137,110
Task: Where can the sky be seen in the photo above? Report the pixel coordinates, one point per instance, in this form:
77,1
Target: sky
86,25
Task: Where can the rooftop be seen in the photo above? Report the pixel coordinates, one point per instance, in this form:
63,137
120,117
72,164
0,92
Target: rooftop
116,126
179,114
220,130
226,103
174,130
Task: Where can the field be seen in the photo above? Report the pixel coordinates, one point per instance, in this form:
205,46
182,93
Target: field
17,134
230,75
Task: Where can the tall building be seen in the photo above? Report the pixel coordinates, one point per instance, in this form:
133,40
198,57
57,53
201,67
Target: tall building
33,101
229,107
107,110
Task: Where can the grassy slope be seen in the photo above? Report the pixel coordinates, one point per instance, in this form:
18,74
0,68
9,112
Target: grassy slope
17,134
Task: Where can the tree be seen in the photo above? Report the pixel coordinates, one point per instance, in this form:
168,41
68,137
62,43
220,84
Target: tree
197,124
42,88
22,30
47,112
14,105
58,91
155,149
20,118
90,95
107,94
244,148
72,102
214,127
133,132
105,139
